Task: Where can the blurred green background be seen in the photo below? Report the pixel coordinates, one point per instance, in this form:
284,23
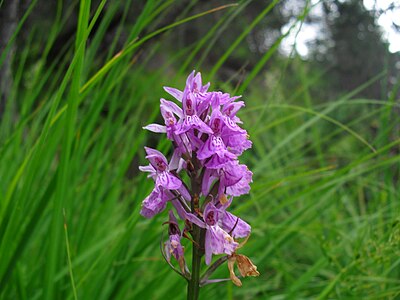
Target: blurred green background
79,79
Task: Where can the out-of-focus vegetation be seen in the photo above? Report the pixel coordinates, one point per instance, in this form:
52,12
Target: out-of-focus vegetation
80,79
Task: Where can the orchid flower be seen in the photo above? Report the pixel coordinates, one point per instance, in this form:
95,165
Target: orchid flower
207,140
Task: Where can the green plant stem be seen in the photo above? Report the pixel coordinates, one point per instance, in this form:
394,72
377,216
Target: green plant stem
197,234
194,283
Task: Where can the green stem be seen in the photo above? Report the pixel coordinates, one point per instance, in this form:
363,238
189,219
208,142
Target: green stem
194,283
197,233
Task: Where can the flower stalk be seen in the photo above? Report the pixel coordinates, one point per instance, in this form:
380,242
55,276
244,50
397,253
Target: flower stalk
194,283
207,141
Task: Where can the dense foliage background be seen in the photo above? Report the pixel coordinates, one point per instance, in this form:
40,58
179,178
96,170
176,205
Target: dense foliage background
79,79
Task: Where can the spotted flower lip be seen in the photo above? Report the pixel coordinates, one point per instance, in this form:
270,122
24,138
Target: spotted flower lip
207,140
230,109
235,179
171,108
217,240
168,181
223,125
192,97
159,170
215,149
154,203
238,143
173,246
192,122
169,111
156,159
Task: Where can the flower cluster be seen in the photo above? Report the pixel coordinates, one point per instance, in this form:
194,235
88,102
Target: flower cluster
207,141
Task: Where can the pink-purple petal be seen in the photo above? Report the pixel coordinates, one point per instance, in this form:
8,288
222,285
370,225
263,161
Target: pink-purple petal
153,204
168,181
234,225
172,107
218,241
243,185
157,128
177,94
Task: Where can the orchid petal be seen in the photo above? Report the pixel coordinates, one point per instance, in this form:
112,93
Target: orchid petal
177,94
171,106
153,204
168,181
156,128
239,228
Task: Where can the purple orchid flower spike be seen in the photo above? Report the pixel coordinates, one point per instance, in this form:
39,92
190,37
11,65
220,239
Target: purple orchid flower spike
207,140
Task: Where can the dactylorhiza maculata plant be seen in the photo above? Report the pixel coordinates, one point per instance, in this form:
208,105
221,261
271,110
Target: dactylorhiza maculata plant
207,141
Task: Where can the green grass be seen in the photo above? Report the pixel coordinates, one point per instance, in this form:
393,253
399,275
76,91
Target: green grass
324,205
